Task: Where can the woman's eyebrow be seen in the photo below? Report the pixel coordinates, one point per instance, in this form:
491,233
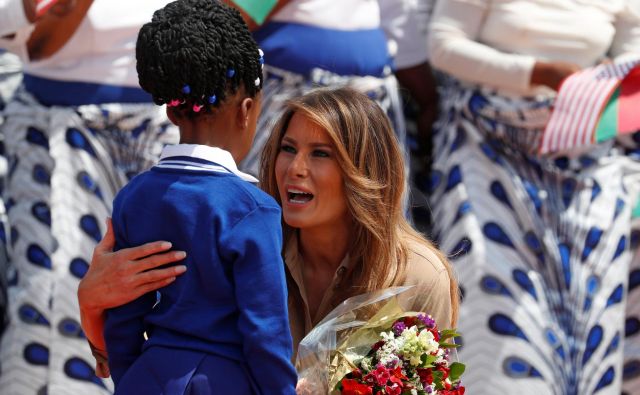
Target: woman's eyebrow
321,145
289,140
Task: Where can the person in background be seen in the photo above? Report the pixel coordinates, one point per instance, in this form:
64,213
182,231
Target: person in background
406,23
541,243
319,43
10,77
77,129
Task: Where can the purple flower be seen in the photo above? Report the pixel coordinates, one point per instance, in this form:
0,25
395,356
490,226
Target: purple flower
428,389
427,320
398,328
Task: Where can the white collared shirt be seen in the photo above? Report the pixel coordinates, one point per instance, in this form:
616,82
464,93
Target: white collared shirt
222,160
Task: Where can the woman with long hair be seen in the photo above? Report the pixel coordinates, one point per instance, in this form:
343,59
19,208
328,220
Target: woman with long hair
334,165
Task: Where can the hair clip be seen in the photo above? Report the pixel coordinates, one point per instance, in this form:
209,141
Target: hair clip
257,81
212,99
197,107
186,89
230,72
173,103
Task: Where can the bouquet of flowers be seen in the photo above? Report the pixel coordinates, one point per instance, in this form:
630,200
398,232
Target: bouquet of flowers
411,358
372,344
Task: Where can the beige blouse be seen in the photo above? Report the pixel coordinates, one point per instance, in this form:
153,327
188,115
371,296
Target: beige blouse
424,269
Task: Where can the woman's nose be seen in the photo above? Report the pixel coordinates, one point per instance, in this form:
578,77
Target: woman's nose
298,166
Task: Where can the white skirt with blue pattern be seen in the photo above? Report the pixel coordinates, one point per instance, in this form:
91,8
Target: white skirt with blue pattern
541,247
65,166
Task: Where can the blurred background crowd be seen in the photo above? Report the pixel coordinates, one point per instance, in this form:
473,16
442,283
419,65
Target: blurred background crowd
544,246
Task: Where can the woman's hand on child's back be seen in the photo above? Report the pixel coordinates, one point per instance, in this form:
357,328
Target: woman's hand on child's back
116,278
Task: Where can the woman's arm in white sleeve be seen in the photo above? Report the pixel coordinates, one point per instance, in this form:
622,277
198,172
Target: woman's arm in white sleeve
15,15
16,25
627,39
455,26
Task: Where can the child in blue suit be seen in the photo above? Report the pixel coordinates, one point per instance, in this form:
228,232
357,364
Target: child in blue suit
222,327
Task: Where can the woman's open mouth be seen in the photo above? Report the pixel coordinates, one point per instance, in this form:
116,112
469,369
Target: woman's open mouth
296,196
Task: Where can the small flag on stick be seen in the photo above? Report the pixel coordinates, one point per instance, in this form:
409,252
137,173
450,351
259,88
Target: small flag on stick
594,105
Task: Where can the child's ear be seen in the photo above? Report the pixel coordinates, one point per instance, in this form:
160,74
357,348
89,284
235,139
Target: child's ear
245,111
172,116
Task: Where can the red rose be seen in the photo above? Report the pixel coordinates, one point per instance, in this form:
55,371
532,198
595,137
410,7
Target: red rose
377,346
353,387
410,321
436,334
397,376
382,375
444,370
393,390
425,375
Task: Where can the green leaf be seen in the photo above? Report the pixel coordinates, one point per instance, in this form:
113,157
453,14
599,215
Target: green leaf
427,360
455,370
437,378
448,334
449,345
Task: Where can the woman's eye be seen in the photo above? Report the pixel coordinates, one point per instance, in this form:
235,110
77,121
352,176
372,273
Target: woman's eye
287,148
321,154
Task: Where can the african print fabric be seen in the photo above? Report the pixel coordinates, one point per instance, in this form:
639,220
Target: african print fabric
65,166
541,247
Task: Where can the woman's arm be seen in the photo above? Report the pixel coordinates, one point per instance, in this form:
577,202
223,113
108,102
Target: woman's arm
455,28
116,278
56,27
627,38
36,37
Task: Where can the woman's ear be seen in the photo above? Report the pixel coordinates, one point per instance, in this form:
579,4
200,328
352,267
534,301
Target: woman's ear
244,114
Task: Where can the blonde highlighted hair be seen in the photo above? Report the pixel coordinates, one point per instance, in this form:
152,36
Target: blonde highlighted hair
374,179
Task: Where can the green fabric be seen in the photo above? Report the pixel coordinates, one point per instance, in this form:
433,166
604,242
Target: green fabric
257,9
608,125
636,211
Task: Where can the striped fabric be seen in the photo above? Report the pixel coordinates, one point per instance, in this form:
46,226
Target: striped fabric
579,105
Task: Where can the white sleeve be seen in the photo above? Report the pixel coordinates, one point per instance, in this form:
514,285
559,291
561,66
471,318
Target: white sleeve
15,28
401,22
455,26
627,37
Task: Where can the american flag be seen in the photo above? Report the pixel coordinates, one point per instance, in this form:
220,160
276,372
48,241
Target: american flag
579,105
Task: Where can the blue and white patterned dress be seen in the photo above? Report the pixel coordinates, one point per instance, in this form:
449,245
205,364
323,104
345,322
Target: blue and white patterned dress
541,246
65,166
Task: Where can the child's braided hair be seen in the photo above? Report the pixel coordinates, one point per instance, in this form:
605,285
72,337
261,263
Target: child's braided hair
194,53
